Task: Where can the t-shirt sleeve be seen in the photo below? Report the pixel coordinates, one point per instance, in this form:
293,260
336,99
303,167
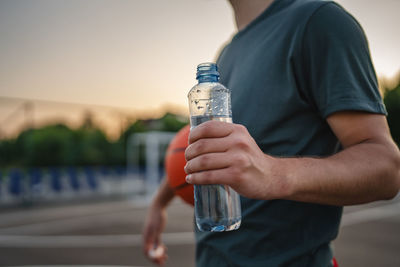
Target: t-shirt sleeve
336,71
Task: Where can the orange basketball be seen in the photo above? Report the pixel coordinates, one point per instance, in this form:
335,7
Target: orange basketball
174,164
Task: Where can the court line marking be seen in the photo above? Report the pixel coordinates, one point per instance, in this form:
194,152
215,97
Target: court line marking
74,223
68,212
25,241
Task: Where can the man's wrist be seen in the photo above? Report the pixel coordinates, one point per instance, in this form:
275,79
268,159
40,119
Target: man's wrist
158,203
161,201
283,171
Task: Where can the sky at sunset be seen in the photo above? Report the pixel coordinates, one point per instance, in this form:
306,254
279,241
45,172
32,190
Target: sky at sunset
136,54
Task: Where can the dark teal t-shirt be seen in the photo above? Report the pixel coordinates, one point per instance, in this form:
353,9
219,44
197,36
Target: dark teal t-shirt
288,70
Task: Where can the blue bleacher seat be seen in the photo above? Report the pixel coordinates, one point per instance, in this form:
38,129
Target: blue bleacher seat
55,179
120,170
73,178
91,178
15,182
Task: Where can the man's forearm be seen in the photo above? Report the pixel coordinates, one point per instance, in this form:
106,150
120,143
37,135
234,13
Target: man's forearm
164,194
359,174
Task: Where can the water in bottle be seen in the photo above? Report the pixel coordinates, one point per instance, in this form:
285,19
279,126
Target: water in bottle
217,207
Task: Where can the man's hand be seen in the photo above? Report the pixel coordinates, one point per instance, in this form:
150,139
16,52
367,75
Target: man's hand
154,225
225,153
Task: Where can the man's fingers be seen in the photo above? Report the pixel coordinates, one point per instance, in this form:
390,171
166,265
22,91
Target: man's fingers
209,161
157,253
220,176
215,136
209,145
210,129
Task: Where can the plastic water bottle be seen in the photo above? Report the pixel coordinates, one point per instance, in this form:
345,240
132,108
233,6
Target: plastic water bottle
217,207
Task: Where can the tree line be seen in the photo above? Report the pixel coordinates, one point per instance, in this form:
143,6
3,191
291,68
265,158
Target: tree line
60,145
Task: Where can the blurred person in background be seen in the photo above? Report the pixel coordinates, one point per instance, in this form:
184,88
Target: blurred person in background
309,137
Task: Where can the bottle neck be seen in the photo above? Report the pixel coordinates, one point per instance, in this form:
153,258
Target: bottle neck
207,78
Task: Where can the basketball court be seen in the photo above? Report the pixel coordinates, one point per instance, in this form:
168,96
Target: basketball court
109,233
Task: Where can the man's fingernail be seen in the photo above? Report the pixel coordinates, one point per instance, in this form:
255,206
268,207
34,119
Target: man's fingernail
188,178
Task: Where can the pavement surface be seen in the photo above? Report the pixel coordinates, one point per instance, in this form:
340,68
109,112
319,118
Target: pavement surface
108,233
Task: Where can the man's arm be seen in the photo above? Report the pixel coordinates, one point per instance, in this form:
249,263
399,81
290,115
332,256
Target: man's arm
367,169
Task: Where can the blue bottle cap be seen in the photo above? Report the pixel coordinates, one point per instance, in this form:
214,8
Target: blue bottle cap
207,69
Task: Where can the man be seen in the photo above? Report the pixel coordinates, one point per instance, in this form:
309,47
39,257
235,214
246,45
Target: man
309,135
